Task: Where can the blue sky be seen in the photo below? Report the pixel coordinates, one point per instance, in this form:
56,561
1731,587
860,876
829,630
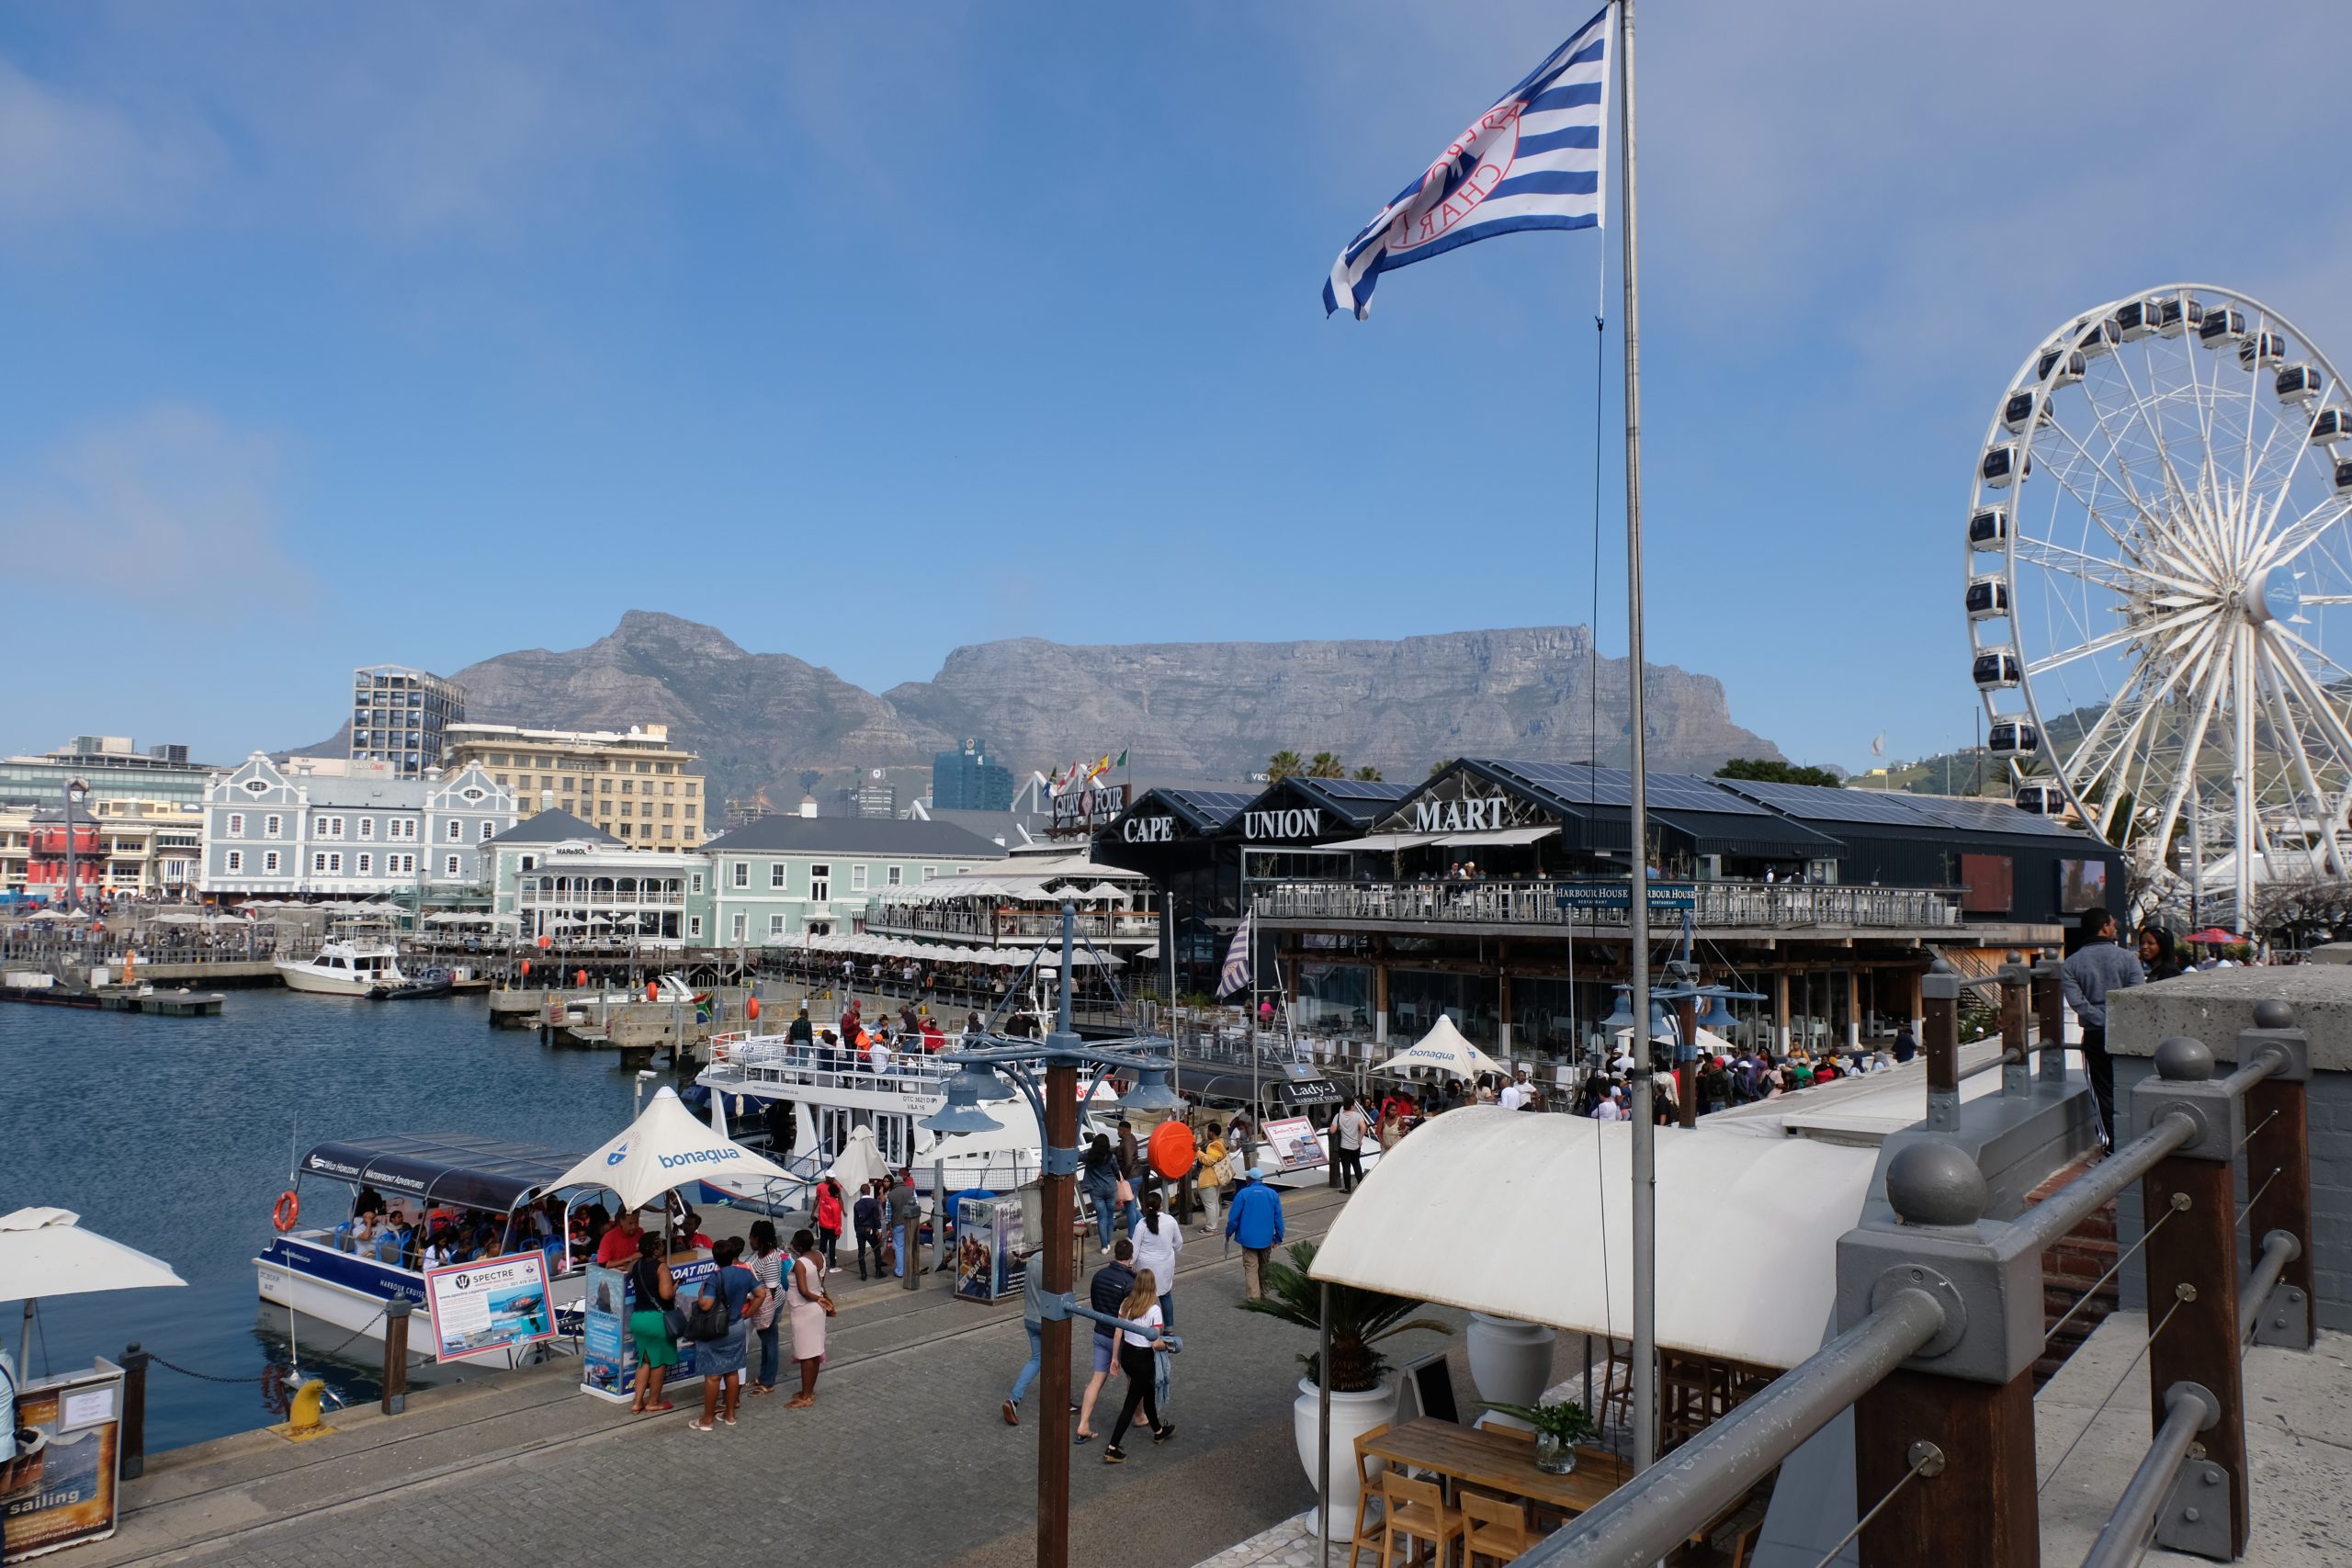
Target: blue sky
417,334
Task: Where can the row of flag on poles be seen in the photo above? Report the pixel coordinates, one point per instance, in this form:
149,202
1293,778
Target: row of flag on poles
1080,773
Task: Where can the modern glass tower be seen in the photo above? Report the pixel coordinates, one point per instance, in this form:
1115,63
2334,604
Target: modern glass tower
398,715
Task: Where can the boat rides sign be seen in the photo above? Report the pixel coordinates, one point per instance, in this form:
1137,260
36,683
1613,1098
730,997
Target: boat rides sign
493,1305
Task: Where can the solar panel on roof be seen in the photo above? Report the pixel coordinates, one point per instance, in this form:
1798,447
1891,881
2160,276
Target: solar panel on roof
1995,817
1820,803
1586,784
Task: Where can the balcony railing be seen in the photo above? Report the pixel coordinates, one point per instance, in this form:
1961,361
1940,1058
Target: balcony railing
1009,925
600,900
1756,904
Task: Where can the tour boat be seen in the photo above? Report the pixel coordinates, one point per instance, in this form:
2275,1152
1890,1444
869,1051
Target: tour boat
315,1270
344,968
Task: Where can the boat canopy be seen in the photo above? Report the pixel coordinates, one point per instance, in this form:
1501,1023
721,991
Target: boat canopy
449,1167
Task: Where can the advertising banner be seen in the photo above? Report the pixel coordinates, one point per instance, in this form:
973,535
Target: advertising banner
988,1265
60,1489
608,1346
1295,1144
493,1305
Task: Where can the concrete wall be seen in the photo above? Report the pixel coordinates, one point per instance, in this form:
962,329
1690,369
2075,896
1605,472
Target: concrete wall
2213,1006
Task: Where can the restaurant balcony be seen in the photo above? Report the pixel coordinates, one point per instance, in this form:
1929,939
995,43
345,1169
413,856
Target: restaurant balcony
601,899
1589,904
1008,925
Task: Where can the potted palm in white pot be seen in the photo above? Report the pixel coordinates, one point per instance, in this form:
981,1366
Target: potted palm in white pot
1363,1398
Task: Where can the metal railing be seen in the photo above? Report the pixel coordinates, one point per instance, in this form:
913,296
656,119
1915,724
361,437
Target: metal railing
1002,925
1940,1313
1779,906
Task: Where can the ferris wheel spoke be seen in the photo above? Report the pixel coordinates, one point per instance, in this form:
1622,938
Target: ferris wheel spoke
2323,708
2273,628
2121,488
2324,808
2286,543
2069,561
2291,677
2118,638
2175,491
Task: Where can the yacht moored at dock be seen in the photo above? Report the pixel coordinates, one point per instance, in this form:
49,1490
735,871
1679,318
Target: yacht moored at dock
344,968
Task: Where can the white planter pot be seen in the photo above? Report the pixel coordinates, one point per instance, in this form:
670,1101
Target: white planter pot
1352,1415
1510,1361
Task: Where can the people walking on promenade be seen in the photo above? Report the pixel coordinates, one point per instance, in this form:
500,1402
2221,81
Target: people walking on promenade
648,1326
2097,968
1108,1289
1208,1178
1099,1176
767,1268
811,1305
1033,1319
1158,1240
867,1214
1131,1175
1137,1343
1348,1129
734,1294
829,1220
1255,1221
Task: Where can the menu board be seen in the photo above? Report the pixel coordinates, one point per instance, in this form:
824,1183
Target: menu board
1295,1143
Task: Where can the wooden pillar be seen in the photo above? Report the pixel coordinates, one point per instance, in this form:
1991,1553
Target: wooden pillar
2193,1308
1980,1507
1380,1002
2278,1167
1779,1010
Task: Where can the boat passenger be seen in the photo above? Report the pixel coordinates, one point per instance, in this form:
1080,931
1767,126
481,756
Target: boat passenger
394,1242
369,1201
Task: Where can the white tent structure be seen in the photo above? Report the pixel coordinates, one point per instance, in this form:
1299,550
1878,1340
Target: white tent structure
860,1160
45,1252
1444,1049
667,1147
1747,1228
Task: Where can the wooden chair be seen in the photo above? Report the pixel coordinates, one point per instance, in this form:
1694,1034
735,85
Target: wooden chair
1492,1528
1368,1497
1416,1511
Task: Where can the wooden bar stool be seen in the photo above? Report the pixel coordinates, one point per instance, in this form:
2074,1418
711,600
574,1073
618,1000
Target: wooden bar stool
1368,1497
1416,1511
1493,1529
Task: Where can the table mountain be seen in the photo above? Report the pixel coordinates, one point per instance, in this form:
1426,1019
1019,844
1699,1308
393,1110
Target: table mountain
1207,710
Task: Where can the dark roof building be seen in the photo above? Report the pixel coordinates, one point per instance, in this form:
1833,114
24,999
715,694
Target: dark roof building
852,835
553,828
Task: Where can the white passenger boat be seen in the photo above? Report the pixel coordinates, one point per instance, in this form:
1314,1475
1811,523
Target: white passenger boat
344,968
316,1269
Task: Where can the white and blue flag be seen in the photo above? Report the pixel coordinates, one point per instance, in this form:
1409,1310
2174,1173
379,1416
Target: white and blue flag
1237,962
1534,160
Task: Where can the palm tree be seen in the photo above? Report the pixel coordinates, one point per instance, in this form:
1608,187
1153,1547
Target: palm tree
1283,764
1367,775
1360,1319
1327,765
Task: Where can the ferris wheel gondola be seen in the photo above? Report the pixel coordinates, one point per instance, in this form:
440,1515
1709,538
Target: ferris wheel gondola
2158,570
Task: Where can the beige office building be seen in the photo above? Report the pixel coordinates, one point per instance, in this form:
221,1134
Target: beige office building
635,785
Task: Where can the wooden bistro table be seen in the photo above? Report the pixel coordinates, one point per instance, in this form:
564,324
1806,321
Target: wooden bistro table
1506,1465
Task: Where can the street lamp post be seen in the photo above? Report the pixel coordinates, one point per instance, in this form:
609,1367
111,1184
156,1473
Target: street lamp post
1062,1053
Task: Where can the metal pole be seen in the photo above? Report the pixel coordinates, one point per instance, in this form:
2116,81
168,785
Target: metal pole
1323,1434
2123,1541
1638,913
1058,1182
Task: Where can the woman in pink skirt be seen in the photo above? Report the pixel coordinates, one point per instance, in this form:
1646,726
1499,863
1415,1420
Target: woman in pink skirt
811,1305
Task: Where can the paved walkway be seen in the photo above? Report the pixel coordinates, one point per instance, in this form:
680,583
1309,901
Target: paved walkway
905,1459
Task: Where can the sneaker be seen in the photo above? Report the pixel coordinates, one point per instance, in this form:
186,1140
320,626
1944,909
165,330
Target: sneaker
1165,1432
1113,1455
1012,1414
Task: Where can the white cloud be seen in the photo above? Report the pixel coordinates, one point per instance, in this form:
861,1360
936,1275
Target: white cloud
69,159
168,511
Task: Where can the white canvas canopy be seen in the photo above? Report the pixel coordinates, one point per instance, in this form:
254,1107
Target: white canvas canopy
1748,1229
860,1161
663,1149
1444,1049
45,1252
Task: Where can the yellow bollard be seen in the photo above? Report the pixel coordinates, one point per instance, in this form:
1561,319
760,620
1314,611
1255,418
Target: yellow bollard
302,1422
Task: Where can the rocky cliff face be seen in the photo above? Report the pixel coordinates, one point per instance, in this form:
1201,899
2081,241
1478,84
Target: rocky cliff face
1213,710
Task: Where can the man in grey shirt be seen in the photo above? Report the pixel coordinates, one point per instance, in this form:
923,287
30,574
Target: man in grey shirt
905,1218
2097,968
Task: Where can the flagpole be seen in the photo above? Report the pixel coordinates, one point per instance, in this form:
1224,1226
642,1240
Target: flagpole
1638,908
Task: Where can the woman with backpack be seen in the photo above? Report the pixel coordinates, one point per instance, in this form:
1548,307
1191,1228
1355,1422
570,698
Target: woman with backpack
721,1334
1136,1342
811,1305
649,1324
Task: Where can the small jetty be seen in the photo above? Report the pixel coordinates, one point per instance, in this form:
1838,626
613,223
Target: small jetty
38,987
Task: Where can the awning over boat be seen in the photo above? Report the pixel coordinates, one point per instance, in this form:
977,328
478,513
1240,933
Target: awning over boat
444,1168
1748,1229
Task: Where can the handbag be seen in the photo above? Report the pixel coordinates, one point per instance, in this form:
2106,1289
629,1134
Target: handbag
705,1323
1126,1192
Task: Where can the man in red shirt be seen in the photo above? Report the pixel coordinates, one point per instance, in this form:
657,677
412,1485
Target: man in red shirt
618,1248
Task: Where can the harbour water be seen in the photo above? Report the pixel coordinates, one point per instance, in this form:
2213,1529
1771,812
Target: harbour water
174,1135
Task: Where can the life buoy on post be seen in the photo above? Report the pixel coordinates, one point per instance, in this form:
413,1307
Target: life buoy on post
287,1210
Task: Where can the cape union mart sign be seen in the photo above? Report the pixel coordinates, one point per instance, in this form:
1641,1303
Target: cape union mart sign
1297,822
1476,814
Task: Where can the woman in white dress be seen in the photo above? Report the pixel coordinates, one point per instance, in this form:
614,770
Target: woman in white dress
811,1306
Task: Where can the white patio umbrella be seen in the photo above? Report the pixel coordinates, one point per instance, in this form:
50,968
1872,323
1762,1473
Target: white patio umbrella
45,1252
664,1148
860,1160
1444,1049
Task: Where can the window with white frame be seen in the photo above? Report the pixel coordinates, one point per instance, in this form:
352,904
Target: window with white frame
929,872
487,829
697,882
269,861
319,860
742,877
820,884
272,826
775,876
776,925
366,865
456,830
452,867
236,860
367,827
335,865
857,877
895,875
236,824
404,829
693,925
738,927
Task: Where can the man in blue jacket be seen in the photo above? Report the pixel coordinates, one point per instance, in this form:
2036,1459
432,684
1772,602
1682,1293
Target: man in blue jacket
1255,1220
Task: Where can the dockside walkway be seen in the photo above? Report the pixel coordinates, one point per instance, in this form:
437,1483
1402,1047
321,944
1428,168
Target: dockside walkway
904,1459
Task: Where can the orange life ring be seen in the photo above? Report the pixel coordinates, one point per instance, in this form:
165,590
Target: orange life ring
289,1209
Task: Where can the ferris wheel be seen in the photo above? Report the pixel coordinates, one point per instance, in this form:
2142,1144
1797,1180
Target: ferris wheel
2159,577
